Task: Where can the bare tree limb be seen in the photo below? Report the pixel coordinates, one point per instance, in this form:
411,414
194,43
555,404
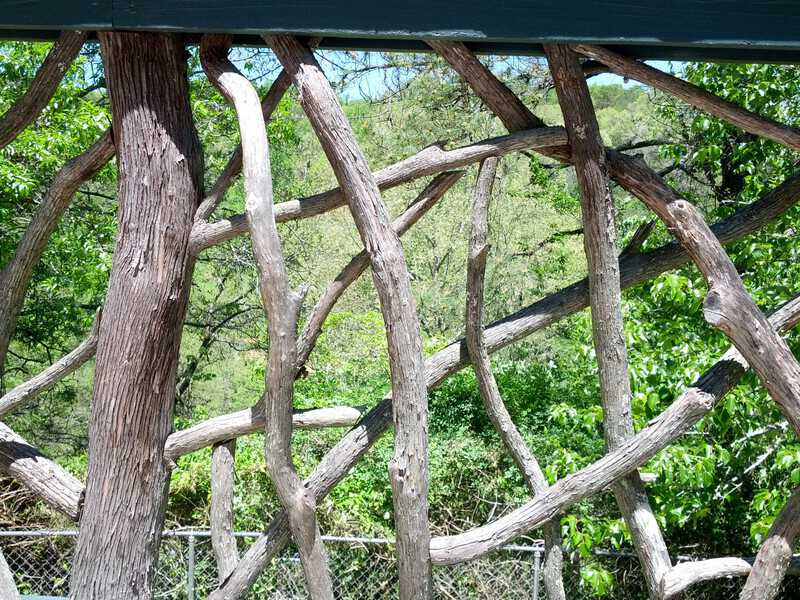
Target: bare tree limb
8,589
599,237
409,466
490,393
223,541
432,193
694,95
53,374
429,161
775,555
283,308
25,110
43,477
16,275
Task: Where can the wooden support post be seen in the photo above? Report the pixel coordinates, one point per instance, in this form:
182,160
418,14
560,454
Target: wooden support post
599,235
223,541
159,188
492,400
409,467
282,305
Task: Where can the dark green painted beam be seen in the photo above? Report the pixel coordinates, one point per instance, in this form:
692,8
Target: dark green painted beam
757,30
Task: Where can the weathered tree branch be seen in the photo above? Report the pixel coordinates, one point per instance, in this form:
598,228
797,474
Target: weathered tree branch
47,480
283,308
53,374
694,95
8,589
16,275
223,541
25,110
599,237
432,193
409,466
775,555
430,161
490,393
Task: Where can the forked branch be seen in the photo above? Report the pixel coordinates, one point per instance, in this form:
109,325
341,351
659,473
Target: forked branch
282,305
492,400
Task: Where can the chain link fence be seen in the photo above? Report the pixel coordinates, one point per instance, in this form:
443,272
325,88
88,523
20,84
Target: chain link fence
363,569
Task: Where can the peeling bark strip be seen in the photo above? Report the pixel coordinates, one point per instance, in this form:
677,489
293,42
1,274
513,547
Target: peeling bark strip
599,238
432,193
775,555
159,188
8,589
430,161
221,512
16,275
53,374
409,466
634,269
283,308
694,95
492,400
47,480
44,85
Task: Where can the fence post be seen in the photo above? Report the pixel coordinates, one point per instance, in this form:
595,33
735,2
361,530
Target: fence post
190,570
537,562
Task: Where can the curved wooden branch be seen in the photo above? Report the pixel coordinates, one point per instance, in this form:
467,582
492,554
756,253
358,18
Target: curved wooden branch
775,555
599,238
432,193
43,477
16,275
282,306
694,95
429,161
634,269
223,541
53,374
492,400
25,110
409,467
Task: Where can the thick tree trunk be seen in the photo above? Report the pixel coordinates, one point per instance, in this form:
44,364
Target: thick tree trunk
599,237
409,466
221,513
159,189
495,407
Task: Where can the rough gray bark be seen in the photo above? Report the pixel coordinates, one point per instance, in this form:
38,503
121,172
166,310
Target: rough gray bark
694,95
775,555
430,161
43,381
46,479
409,466
432,193
159,188
16,275
634,269
608,331
251,420
684,575
526,462
223,541
282,306
8,589
23,112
